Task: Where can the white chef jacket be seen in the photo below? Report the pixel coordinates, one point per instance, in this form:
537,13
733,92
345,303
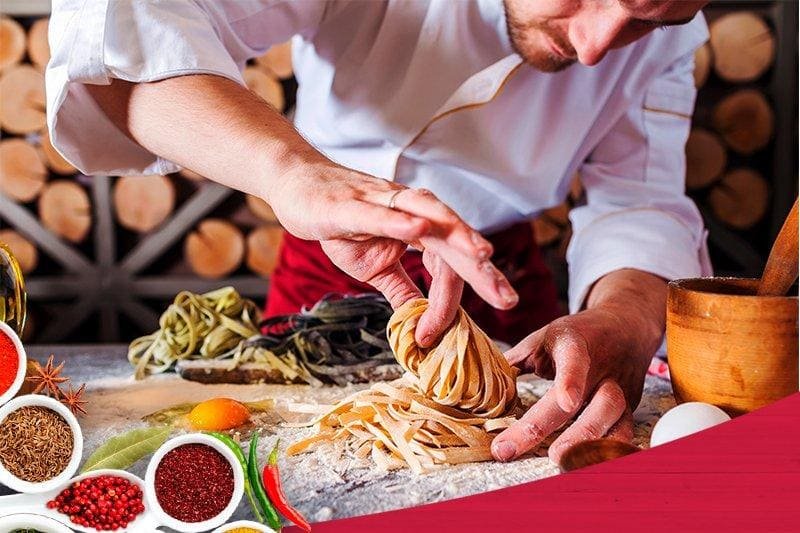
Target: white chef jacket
429,94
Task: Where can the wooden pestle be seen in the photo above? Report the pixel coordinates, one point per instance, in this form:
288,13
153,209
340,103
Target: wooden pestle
781,270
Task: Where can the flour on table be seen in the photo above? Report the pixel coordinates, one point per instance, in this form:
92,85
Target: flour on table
325,483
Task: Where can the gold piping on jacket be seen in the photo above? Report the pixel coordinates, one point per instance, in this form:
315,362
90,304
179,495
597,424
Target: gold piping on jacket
667,112
456,109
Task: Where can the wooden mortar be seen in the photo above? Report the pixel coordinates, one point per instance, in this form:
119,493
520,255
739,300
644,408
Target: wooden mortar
728,347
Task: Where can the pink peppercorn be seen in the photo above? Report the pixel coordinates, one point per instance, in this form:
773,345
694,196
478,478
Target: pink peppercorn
95,502
194,483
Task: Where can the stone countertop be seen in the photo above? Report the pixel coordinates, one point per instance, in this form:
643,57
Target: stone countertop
322,484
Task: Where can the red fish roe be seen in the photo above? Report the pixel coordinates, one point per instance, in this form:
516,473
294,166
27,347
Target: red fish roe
9,362
194,483
106,503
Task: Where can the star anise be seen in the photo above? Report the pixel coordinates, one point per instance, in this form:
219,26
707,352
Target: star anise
47,378
74,399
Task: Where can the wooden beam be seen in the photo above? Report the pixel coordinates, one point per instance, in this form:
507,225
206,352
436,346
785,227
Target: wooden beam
69,319
144,317
168,286
784,91
105,238
22,219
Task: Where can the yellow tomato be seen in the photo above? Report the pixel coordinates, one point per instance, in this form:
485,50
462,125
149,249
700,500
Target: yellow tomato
218,414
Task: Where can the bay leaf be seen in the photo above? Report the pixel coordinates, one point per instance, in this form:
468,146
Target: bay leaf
122,451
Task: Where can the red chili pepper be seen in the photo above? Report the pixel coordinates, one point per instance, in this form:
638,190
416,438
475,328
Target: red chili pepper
272,484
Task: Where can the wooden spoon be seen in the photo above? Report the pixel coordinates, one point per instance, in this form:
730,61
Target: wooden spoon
781,270
592,452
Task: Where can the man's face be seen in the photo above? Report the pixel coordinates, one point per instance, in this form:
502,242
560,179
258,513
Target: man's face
553,34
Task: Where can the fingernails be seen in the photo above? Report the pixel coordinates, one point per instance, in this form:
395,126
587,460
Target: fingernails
425,340
504,450
509,295
555,451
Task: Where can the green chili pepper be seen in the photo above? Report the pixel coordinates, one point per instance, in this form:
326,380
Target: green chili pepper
273,520
237,451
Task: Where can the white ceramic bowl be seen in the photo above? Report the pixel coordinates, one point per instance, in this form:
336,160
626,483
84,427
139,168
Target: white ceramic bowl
244,523
32,521
21,369
142,521
37,504
33,400
190,527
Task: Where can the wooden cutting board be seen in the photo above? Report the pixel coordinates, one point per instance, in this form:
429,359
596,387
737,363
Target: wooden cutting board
212,372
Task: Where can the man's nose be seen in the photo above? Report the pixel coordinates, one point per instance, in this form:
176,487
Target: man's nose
593,36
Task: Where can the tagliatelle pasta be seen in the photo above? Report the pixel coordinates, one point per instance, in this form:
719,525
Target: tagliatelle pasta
444,410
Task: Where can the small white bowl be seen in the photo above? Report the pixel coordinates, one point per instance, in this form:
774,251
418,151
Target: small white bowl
37,504
32,521
21,369
34,400
244,523
150,484
142,521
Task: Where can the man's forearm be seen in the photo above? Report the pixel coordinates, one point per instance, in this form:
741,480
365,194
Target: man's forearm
213,126
639,299
221,130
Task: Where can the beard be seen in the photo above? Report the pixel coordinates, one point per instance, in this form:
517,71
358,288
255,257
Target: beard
528,40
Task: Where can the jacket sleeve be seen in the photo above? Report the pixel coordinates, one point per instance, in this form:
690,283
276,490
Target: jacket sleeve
95,41
637,214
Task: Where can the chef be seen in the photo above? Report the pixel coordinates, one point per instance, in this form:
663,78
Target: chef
426,135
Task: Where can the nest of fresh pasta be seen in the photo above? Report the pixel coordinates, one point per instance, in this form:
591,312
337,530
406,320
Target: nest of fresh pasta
453,399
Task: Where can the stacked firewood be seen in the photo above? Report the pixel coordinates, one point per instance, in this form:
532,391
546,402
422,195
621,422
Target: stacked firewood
737,125
34,174
31,171
732,126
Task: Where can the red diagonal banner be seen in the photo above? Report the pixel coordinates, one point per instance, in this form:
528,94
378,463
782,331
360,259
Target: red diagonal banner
743,475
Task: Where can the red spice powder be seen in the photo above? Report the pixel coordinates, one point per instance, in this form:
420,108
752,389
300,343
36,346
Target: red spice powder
194,482
9,362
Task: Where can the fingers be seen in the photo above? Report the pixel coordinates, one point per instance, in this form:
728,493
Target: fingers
445,222
395,285
570,356
364,219
443,299
604,410
461,247
377,262
419,217
606,414
529,431
484,278
623,429
525,349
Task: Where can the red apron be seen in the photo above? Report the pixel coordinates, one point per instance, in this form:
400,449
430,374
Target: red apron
304,274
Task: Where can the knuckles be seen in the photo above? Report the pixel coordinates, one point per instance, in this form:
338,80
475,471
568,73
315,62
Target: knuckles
590,429
611,395
532,432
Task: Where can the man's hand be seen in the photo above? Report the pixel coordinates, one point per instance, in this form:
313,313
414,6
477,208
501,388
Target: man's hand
598,359
223,131
348,212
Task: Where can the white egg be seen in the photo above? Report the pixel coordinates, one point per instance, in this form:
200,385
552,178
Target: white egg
685,419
